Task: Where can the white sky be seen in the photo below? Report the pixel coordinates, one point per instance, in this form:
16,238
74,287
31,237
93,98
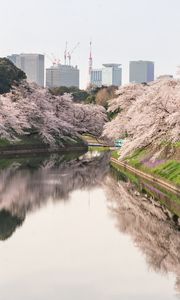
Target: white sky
121,30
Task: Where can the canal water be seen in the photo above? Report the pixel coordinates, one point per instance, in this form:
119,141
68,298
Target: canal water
74,227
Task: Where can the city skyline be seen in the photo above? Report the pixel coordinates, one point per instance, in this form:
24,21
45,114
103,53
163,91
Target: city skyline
136,30
66,74
48,63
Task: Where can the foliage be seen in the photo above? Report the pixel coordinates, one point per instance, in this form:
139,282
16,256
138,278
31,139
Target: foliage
77,94
148,115
101,95
167,169
105,94
93,95
9,74
91,99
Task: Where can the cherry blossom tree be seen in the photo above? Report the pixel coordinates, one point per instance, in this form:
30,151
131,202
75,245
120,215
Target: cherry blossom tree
30,109
149,114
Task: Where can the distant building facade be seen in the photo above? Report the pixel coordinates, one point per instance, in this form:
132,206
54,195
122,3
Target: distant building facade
31,64
110,74
96,77
141,71
62,75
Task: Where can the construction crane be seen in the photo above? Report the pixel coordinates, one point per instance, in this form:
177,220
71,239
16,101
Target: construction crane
69,55
52,59
56,60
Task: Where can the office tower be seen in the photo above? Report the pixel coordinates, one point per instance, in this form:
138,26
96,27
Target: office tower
62,75
141,71
96,77
111,74
31,64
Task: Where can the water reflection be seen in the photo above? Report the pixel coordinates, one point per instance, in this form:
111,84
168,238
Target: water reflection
151,226
8,224
26,185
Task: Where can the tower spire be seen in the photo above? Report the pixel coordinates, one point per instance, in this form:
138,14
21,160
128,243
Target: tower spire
90,62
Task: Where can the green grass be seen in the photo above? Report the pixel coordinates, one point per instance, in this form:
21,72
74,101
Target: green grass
169,170
92,139
177,144
4,142
99,149
115,154
135,159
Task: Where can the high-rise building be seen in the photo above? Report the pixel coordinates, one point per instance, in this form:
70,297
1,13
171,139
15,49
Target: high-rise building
96,77
141,71
31,64
62,75
111,74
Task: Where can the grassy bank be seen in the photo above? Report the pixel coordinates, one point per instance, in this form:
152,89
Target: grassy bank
166,166
91,139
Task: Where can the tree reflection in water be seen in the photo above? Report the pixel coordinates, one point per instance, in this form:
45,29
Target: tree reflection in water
149,224
25,189
8,224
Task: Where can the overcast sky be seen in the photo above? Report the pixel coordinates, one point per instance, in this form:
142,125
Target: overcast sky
121,30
